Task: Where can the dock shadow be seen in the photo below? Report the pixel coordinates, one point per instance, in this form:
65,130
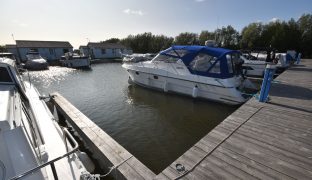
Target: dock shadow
291,91
301,69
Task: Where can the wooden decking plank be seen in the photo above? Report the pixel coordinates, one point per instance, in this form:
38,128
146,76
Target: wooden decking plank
277,138
140,168
161,176
171,173
265,155
217,167
297,118
294,152
128,172
248,165
283,131
190,158
284,123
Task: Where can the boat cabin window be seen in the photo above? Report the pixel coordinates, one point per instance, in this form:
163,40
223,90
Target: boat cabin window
4,75
167,59
203,62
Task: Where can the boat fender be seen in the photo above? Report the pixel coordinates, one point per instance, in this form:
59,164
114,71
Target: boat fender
86,161
195,92
165,86
130,80
43,153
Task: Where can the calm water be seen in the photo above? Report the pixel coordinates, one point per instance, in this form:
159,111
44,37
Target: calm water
155,127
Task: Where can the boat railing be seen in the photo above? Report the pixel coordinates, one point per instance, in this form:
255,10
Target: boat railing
51,163
35,134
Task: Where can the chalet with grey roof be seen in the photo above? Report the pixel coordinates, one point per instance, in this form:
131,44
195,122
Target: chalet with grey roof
103,50
49,50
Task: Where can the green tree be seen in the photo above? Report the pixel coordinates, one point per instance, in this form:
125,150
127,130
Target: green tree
3,49
186,38
305,27
112,40
147,42
204,36
251,36
227,37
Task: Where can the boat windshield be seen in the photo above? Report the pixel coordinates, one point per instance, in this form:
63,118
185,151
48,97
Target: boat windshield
33,56
204,62
4,75
164,58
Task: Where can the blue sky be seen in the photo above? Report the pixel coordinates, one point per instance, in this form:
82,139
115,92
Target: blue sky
77,21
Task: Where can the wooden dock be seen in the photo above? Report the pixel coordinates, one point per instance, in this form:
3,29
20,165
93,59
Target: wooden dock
104,148
270,140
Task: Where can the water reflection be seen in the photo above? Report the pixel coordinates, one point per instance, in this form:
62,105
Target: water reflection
54,74
170,123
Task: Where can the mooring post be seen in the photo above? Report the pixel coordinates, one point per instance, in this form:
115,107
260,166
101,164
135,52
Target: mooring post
266,83
298,58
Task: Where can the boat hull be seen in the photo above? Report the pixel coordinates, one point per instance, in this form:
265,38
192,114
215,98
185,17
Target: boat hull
227,95
76,63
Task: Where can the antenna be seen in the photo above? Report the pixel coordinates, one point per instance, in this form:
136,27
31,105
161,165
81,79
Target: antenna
13,36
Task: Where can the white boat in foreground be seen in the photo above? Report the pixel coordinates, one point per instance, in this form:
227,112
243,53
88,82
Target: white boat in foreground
32,144
75,61
198,71
35,61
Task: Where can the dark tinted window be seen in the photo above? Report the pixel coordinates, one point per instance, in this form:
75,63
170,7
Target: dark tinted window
4,75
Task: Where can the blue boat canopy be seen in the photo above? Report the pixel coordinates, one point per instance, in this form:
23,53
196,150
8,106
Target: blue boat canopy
206,61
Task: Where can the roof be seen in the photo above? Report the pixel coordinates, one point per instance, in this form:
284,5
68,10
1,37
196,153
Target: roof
43,44
105,45
10,46
83,47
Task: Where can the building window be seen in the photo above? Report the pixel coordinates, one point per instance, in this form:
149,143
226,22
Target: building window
51,51
103,51
65,51
34,50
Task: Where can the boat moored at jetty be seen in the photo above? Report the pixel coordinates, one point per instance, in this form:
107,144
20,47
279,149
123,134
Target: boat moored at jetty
255,63
35,61
32,144
198,71
75,61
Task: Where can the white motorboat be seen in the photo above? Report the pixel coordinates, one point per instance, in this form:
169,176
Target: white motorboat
32,144
75,61
35,61
198,71
255,63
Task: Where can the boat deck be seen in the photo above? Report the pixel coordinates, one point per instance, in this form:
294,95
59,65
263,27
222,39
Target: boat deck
270,140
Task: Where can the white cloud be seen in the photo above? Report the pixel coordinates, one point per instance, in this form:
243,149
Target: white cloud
19,23
134,12
199,0
23,24
274,19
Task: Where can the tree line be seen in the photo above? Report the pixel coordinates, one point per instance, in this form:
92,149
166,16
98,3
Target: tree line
278,35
